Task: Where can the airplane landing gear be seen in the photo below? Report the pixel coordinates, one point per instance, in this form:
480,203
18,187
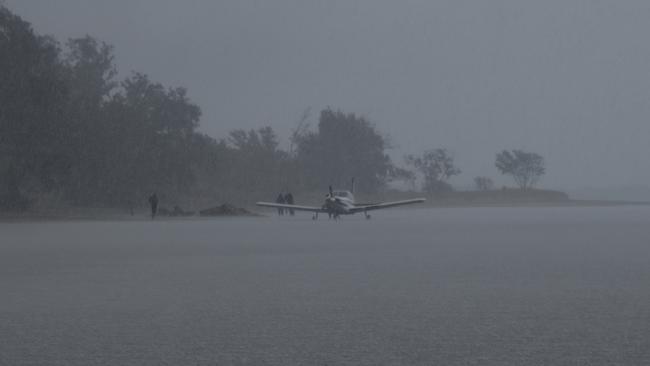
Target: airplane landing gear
367,216
315,217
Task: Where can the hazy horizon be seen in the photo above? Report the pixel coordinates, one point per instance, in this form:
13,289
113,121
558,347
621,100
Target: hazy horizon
568,80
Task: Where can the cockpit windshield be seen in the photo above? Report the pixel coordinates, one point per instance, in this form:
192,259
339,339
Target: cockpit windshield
344,194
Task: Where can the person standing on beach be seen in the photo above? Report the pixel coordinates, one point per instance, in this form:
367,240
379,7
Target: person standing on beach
288,198
153,202
280,200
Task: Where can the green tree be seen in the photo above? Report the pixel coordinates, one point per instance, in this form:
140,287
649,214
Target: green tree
33,95
67,126
91,80
151,135
257,163
405,175
344,146
526,168
483,183
436,166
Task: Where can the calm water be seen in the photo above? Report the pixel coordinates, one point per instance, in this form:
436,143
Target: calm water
471,286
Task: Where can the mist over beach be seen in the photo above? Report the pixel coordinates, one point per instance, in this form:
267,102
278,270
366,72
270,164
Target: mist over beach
363,182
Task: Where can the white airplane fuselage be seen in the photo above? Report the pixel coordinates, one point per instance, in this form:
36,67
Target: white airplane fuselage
339,203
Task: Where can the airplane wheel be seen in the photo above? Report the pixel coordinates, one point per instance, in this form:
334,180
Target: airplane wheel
368,217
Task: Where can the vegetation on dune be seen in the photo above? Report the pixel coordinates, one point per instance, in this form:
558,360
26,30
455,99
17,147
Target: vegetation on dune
436,166
72,133
526,168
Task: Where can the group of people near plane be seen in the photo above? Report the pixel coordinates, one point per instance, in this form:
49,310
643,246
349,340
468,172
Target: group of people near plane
285,199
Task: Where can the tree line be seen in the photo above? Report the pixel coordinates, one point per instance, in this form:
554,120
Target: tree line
436,166
71,132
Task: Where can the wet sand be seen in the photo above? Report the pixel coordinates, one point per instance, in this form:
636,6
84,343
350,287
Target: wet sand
449,286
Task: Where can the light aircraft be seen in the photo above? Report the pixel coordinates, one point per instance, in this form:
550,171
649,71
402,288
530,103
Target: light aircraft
339,203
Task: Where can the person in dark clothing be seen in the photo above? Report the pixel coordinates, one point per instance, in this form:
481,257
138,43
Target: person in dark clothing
153,202
280,200
288,198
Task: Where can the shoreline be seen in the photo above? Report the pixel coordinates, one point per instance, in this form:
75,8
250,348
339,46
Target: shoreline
91,214
533,204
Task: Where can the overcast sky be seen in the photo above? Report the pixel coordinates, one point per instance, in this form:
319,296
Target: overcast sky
567,79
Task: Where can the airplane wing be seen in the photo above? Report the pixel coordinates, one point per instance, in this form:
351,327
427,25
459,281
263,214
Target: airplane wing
292,207
378,206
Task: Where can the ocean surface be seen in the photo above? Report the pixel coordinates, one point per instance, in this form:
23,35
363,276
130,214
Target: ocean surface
445,286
